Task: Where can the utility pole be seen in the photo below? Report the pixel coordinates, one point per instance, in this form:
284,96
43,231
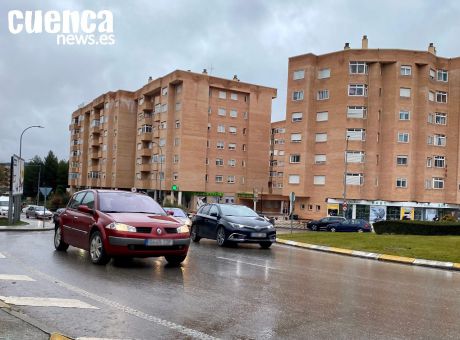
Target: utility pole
344,204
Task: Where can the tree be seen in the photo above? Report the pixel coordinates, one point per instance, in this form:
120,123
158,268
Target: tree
51,169
62,176
32,170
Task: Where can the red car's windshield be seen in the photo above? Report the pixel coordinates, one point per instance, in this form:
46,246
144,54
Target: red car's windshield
127,202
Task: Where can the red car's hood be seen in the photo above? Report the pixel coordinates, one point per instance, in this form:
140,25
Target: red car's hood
137,218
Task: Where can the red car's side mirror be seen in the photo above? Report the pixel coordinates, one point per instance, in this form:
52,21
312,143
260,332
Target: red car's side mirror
85,209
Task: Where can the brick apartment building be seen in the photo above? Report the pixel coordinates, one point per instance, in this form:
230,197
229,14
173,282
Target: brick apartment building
186,136
393,115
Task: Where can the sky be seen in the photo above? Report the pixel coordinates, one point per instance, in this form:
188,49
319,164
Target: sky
42,82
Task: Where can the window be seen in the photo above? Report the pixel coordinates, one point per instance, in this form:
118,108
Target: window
232,162
294,179
178,106
404,115
230,179
357,90
297,95
357,112
356,134
438,183
294,158
244,147
404,92
354,179
221,111
321,137
432,74
440,118
219,178
429,162
324,73
319,180
220,145
297,116
403,137
401,182
406,70
431,96
162,125
401,160
232,130
233,113
355,156
164,91
322,116
358,67
178,89
234,96
320,159
440,140
439,161
219,162
222,95
299,74
176,141
221,128
177,124
441,97
322,95
296,137
442,75
164,107
232,146
176,159
175,176
245,115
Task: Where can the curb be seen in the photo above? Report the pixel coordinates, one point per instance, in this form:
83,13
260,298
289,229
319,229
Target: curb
26,229
374,256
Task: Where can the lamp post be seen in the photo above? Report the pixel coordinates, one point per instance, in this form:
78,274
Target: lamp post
20,140
344,211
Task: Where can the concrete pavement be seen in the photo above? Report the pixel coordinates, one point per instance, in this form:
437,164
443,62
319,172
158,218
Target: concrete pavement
32,225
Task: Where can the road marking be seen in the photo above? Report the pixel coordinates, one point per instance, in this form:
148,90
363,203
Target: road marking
128,310
248,263
91,338
45,302
15,277
2,256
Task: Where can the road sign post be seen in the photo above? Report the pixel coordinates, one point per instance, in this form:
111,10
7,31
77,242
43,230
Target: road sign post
45,191
291,206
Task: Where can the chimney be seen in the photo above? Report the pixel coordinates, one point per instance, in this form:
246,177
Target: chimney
347,46
235,77
205,71
150,79
432,49
364,43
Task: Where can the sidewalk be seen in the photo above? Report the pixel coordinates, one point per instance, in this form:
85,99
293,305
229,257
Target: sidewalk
33,225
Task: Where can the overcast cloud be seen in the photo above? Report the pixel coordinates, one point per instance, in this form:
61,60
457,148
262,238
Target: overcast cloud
42,83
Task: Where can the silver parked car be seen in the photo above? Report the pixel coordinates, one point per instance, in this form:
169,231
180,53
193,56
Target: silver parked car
38,212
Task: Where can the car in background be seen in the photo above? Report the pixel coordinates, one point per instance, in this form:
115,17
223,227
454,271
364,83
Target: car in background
4,201
38,212
324,222
231,223
350,225
115,223
179,214
27,207
56,214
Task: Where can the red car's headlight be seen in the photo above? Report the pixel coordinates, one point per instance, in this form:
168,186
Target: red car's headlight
121,227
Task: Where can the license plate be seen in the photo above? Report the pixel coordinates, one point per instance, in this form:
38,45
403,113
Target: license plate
258,235
158,242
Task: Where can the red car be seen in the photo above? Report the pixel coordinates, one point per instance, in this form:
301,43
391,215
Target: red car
112,223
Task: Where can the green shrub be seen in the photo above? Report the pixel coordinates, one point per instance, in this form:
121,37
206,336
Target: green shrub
417,228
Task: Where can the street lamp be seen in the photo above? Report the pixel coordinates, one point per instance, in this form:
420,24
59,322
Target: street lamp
344,211
20,140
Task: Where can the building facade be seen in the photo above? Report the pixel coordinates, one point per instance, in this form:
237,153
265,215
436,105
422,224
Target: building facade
185,136
377,129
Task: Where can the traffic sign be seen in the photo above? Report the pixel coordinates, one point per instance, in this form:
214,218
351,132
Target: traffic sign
345,206
45,191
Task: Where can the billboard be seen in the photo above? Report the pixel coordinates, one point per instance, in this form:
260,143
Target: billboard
17,175
377,213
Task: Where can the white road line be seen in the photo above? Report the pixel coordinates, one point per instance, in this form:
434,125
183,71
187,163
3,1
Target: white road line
2,256
91,338
45,302
128,310
15,277
248,263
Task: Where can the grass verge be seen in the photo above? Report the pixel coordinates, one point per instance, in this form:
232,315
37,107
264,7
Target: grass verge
4,222
438,248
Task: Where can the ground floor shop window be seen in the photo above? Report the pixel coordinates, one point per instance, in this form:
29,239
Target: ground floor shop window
393,213
362,212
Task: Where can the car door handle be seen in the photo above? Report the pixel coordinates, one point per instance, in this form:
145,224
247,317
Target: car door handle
75,218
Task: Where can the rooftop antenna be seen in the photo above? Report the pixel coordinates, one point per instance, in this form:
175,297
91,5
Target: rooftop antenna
211,69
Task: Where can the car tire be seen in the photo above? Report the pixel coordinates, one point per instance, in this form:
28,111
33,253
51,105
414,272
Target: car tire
59,244
332,230
194,234
221,237
175,260
314,227
265,245
96,249
27,215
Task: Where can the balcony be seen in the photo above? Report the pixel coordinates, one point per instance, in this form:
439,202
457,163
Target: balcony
147,105
145,152
145,167
95,154
142,183
156,133
146,136
93,182
94,142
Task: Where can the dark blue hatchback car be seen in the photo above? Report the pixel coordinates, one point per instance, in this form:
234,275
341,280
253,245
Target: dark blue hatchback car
350,225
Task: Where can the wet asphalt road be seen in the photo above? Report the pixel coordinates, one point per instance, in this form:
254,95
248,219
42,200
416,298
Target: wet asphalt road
242,292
